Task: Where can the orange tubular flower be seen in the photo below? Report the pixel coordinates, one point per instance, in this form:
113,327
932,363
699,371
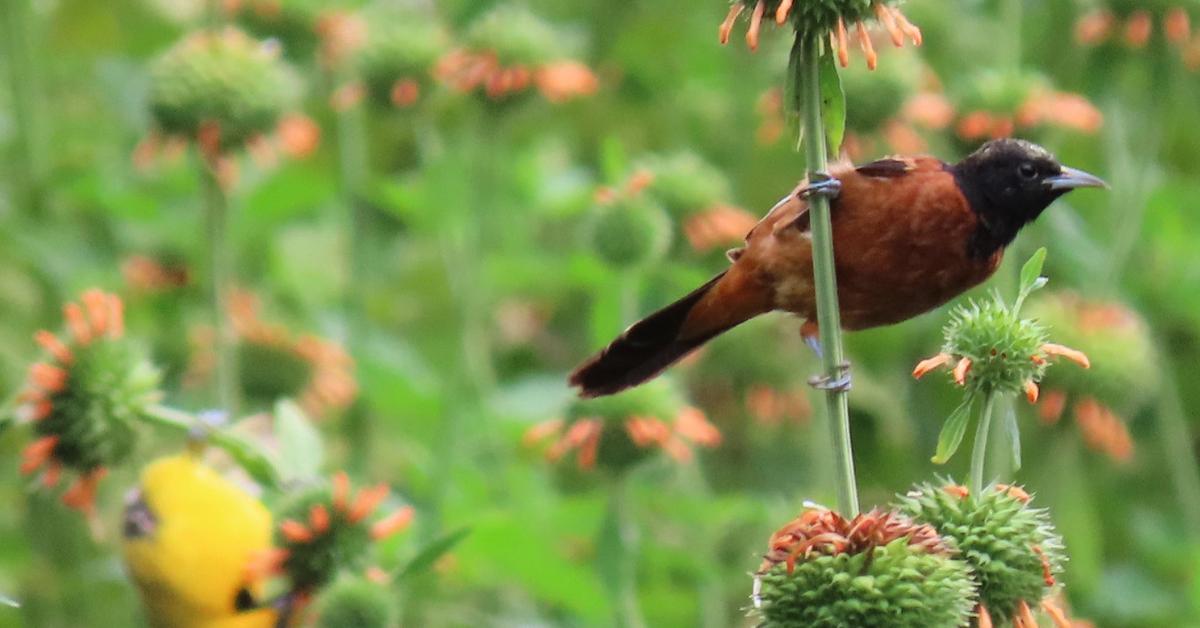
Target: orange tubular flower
616,444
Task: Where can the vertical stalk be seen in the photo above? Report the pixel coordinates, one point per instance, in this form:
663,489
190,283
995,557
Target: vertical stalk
828,315
625,604
1176,442
216,215
17,30
979,451
353,166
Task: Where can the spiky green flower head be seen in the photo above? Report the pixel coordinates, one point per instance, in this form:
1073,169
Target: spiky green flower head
1125,374
877,570
685,183
293,23
629,229
617,432
397,60
519,37
1001,348
829,22
873,98
1012,548
355,602
328,530
221,88
86,400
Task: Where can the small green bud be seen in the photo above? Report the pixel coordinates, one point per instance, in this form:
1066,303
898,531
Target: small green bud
355,602
630,232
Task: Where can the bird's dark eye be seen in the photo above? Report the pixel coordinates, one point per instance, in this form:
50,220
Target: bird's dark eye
1027,171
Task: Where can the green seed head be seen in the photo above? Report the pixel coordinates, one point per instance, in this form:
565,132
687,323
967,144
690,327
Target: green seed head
877,570
684,183
1001,346
519,37
401,49
617,451
293,23
630,232
1012,549
227,82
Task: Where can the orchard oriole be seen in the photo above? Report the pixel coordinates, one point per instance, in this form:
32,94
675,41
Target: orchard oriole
910,233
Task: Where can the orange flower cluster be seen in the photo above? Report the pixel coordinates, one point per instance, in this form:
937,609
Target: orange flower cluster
963,367
146,274
1042,108
822,531
1102,429
719,225
897,26
583,436
769,406
558,81
1134,31
99,318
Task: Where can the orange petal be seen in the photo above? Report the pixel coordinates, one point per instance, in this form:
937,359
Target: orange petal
692,425
589,450
541,431
82,495
1056,614
265,563
677,449
1073,355
77,323
781,13
727,25
392,524
318,518
1025,616
52,475
48,378
1047,571
985,618
864,40
914,33
1177,25
884,14
36,453
956,490
755,24
1031,391
341,490
1052,406
1138,28
95,303
54,346
367,501
843,45
295,532
42,408
927,365
960,371
377,575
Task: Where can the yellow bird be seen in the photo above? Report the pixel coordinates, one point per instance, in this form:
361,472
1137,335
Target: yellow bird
188,537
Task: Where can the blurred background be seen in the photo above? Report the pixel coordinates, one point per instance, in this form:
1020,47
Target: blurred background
437,209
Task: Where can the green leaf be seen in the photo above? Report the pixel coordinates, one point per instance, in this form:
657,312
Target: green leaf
8,601
833,102
300,449
1031,277
791,84
953,430
248,456
1013,433
430,554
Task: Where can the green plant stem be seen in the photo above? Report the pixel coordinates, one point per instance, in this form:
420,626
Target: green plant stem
216,214
625,603
17,30
828,315
979,451
243,452
353,165
1177,444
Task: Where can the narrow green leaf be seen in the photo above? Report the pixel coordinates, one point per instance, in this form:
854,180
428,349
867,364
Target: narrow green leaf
248,456
791,82
300,449
8,601
430,554
1013,433
1031,277
833,102
953,430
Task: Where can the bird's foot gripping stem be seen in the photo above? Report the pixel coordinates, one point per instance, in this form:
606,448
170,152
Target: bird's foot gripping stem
838,383
822,184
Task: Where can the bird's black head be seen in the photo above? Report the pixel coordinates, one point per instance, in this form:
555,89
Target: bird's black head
1008,183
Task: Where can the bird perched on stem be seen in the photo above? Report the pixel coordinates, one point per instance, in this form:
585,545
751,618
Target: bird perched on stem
910,233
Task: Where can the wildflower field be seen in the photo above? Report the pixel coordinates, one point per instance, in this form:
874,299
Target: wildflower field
301,305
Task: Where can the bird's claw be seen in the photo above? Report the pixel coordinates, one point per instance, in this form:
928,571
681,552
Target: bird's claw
823,184
837,383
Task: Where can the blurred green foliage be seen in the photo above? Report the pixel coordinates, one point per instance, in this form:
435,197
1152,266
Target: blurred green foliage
450,245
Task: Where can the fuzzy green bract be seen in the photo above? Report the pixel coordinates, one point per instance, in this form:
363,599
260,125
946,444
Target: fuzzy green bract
355,602
685,183
894,586
401,45
95,415
519,37
630,232
1000,345
345,546
995,534
226,79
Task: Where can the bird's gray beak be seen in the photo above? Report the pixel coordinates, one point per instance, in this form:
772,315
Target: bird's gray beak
1071,178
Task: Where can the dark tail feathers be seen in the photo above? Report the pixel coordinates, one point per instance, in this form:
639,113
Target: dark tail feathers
645,349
